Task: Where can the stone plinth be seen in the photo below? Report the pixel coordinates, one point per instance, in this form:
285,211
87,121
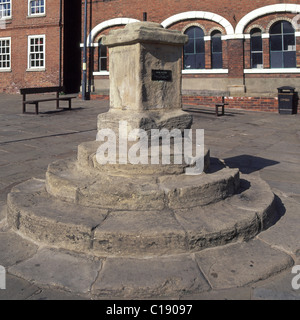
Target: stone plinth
145,63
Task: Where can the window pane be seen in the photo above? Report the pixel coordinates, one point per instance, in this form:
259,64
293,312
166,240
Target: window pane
200,45
103,64
257,60
276,43
276,60
216,44
189,62
289,42
200,61
190,33
256,43
217,61
287,27
198,32
189,47
276,28
289,59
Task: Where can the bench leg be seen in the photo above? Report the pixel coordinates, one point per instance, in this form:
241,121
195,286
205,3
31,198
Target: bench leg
217,111
36,108
24,108
70,104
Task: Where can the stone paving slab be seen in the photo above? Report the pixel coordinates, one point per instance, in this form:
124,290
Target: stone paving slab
160,276
14,249
279,289
277,235
61,269
239,264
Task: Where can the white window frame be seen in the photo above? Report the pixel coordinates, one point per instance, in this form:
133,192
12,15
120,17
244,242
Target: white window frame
5,69
7,16
39,14
29,67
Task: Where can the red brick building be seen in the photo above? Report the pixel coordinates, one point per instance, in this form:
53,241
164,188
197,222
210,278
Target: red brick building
240,49
243,50
40,44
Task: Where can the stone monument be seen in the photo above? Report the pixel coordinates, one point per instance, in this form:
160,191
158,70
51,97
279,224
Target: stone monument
144,209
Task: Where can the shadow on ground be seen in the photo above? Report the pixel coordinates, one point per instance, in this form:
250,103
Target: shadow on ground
248,164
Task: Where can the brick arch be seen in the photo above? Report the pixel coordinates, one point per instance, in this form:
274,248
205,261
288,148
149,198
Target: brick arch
273,21
274,8
106,24
194,25
199,15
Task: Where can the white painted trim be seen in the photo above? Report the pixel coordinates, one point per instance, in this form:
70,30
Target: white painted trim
199,15
10,16
106,24
275,70
29,68
274,8
7,69
30,15
201,71
186,71
101,73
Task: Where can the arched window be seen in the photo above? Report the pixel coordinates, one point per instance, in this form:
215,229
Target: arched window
256,48
216,50
102,54
282,45
194,50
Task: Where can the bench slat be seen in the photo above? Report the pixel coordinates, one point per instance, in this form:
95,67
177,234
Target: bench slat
49,99
40,90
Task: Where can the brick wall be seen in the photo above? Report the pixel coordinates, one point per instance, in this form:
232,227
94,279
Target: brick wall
243,103
19,27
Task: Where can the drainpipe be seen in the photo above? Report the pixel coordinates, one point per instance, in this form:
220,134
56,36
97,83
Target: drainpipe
60,43
84,53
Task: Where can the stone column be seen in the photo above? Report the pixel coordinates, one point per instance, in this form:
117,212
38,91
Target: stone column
145,62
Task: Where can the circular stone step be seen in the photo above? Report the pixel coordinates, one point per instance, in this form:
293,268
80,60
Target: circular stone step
92,230
86,157
70,182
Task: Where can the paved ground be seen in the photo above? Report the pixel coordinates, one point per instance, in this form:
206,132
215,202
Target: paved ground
257,143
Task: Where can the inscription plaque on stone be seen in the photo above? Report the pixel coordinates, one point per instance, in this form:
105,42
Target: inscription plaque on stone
161,75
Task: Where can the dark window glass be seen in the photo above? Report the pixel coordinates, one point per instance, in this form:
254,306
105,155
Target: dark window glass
289,59
194,50
276,43
257,60
282,45
256,48
102,51
287,27
216,50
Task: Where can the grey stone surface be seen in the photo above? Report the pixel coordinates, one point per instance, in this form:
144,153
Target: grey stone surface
159,276
65,270
279,288
278,236
240,264
18,289
14,249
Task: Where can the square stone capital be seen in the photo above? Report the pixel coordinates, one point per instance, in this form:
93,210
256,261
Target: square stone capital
139,32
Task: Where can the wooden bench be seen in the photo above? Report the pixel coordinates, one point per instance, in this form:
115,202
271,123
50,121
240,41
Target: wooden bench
41,90
222,106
